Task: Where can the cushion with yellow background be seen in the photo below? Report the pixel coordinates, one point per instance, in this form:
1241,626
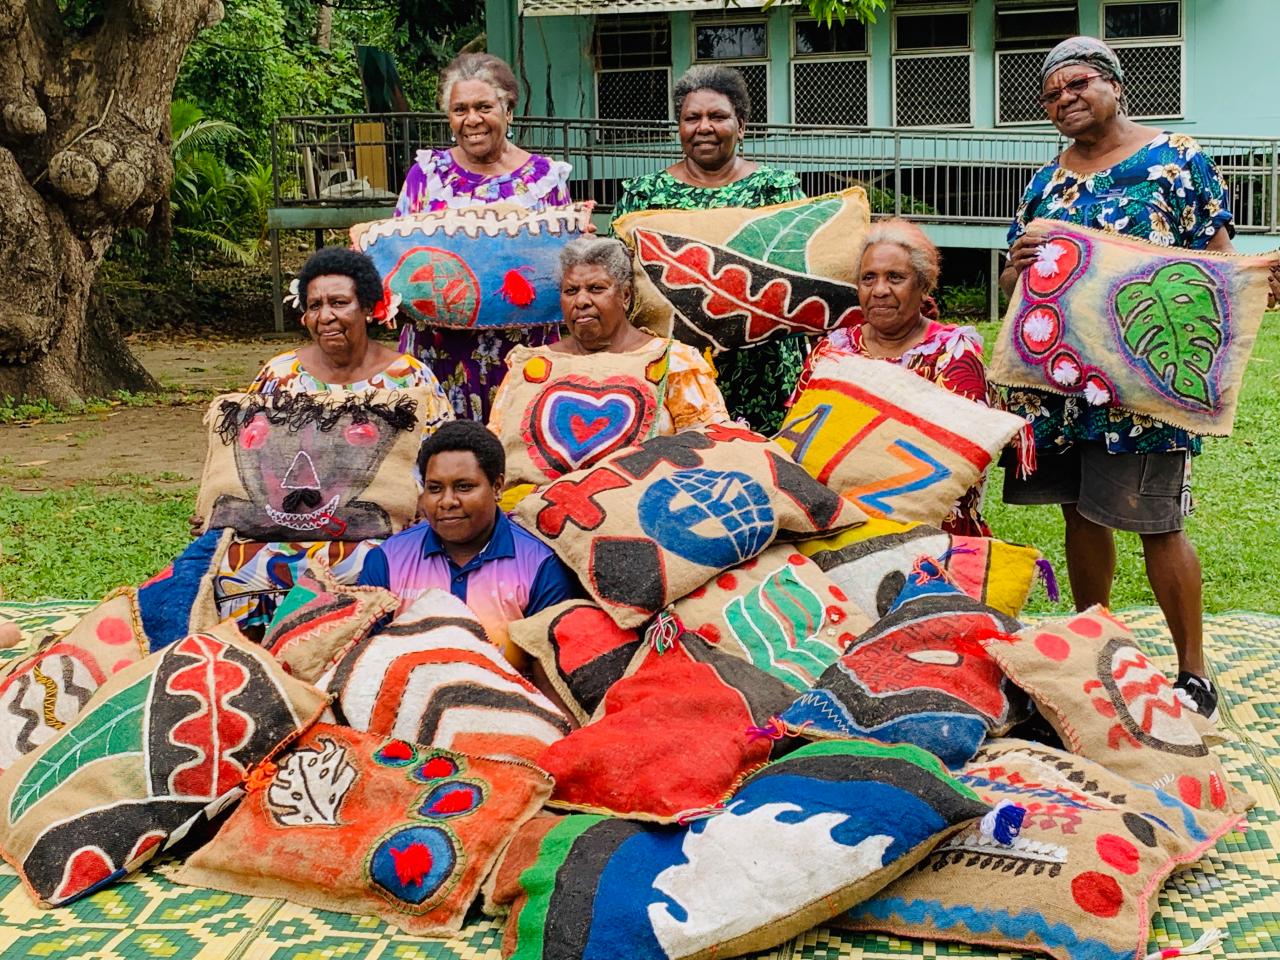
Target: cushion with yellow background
870,563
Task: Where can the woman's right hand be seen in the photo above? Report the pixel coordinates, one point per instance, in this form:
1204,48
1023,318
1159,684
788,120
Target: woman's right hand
197,525
1024,250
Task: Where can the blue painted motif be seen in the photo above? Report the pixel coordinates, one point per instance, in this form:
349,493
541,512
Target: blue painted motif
454,798
412,864
717,518
937,472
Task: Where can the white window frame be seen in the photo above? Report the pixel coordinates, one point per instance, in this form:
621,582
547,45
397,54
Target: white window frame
598,73
965,8
1165,40
797,58
739,62
1031,94
966,51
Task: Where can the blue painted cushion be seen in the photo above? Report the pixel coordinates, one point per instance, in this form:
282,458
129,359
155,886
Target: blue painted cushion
918,676
796,843
167,601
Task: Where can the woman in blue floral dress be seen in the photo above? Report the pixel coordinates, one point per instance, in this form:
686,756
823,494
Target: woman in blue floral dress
1110,469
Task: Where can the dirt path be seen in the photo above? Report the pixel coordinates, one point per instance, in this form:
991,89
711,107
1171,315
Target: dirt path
133,446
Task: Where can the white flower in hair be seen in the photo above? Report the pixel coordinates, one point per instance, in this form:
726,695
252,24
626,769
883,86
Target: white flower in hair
294,297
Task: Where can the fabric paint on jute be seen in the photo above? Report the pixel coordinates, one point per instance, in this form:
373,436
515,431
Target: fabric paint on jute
582,651
733,277
326,466
360,824
654,749
799,842
920,675
161,744
893,443
1111,703
1079,880
484,267
560,412
653,522
871,563
779,611
42,693
1125,323
432,677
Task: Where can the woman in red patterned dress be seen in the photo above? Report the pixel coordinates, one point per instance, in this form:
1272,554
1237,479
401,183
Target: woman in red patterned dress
898,269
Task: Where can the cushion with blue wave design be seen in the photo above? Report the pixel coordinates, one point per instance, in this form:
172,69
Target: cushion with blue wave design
920,675
1079,880
797,843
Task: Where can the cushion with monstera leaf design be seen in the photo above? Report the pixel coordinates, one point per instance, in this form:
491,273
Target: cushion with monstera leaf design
356,823
313,466
161,744
734,277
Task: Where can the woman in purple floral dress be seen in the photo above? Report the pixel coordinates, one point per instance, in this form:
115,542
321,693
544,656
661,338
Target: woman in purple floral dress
478,92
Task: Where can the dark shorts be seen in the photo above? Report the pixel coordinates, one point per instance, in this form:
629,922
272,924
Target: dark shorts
1138,492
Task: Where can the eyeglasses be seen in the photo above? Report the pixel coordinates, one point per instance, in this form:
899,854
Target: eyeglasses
1074,87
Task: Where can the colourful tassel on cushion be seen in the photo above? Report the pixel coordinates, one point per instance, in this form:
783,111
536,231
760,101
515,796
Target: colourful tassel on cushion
664,631
1004,822
1202,945
1044,569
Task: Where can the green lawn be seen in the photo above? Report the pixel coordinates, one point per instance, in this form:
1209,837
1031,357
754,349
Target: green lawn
83,542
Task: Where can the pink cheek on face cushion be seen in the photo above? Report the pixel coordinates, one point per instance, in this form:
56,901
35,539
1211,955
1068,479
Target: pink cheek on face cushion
254,434
361,434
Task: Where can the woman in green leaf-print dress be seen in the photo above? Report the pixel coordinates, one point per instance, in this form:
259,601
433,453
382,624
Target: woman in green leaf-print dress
713,108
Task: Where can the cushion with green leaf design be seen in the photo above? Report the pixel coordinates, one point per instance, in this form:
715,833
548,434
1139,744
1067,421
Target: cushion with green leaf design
160,745
1125,323
734,277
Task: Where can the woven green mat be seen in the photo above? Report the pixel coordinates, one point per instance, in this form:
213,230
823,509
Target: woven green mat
1235,888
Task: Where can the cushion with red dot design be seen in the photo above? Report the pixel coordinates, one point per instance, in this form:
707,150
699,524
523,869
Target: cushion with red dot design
361,824
920,675
778,610
1111,703
1079,880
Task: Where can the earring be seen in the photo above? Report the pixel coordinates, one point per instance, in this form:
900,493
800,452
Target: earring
453,137
511,133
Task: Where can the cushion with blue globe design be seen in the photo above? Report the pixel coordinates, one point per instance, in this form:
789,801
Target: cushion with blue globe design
653,522
361,824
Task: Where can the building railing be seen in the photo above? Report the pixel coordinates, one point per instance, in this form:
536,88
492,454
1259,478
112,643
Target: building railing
935,175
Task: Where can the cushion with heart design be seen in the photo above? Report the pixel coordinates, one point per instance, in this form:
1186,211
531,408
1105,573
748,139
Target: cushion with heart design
559,412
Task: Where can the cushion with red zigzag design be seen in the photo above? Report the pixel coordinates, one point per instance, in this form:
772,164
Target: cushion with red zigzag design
432,677
1109,702
360,824
160,745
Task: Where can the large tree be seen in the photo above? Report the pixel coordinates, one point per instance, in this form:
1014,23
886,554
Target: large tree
85,88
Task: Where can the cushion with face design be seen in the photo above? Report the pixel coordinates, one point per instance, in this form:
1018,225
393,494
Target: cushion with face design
736,276
487,267
313,466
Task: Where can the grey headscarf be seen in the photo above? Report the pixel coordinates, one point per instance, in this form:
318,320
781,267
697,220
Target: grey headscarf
1083,50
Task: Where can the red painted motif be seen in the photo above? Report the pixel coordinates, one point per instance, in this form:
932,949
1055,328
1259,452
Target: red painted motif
217,730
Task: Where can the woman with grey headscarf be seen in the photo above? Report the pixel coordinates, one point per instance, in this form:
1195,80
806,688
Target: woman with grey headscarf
1107,468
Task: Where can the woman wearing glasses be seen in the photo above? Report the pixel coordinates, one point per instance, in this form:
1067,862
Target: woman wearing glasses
1107,468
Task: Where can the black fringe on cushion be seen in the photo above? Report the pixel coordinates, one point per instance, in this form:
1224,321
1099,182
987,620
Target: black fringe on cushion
296,410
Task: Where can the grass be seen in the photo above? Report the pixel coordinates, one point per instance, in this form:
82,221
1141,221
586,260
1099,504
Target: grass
1236,483
172,394
82,542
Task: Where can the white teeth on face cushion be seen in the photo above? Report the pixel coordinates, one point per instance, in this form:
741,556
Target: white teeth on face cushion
305,521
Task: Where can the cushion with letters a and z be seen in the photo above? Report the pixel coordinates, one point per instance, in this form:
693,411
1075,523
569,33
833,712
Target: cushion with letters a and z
651,523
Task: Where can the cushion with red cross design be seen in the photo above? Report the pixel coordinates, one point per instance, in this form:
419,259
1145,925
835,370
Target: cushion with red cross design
653,522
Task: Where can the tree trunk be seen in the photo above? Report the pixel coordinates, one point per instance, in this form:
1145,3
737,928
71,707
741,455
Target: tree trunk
83,153
323,35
